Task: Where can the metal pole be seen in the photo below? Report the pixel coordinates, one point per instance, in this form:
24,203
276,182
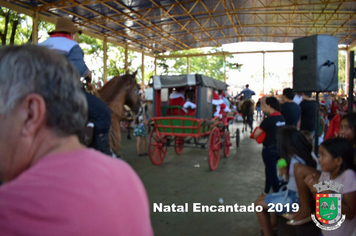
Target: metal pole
347,75
351,81
316,135
264,75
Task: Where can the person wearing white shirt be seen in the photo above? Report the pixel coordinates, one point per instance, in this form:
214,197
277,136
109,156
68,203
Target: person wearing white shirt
149,100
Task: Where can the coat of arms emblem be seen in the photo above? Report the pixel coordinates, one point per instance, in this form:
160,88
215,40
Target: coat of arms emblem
328,206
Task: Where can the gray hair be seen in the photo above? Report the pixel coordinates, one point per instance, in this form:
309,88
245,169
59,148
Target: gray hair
29,69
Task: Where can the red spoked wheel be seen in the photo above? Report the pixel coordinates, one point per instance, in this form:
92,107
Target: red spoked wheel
178,145
157,149
214,148
227,144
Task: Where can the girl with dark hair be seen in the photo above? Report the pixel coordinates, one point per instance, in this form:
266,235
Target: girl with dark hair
344,127
269,127
295,149
336,161
348,128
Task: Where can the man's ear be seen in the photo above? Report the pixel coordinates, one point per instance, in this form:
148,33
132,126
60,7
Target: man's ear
33,114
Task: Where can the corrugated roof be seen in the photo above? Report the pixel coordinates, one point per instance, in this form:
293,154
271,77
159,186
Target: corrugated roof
160,26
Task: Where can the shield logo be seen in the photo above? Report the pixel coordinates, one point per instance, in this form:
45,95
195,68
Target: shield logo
328,208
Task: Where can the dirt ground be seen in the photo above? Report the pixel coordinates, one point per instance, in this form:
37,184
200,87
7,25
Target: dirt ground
238,179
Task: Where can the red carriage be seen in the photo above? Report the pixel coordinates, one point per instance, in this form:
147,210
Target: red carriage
199,129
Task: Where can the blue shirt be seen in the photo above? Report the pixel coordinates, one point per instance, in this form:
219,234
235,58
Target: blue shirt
291,113
292,185
247,93
70,49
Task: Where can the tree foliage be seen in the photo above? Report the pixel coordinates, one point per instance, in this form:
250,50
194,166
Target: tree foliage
10,32
341,65
212,66
16,28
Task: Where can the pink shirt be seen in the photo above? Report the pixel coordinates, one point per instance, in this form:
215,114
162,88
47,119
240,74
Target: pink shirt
348,179
75,193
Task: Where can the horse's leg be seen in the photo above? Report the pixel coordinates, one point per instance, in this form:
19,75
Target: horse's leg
243,123
248,115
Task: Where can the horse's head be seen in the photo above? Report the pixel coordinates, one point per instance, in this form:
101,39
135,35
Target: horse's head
132,92
122,90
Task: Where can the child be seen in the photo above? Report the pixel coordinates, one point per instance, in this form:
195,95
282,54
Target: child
334,107
258,109
348,128
140,132
295,148
336,160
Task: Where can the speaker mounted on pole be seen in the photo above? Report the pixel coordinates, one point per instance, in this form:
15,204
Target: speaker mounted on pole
315,64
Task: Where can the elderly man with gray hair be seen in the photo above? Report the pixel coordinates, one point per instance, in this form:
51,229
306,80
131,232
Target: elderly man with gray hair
51,183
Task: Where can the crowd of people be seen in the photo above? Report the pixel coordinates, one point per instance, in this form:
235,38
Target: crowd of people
288,132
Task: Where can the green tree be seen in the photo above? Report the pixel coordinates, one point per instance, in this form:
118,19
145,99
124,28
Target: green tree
9,24
212,66
16,28
341,65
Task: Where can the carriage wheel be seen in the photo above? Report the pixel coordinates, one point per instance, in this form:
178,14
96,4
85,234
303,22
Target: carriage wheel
237,137
178,145
157,149
227,144
214,148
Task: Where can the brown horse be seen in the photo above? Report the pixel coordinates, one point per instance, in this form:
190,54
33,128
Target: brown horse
117,92
247,109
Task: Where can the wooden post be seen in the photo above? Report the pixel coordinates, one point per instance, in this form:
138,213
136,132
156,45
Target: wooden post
188,64
105,60
35,27
143,68
224,68
126,58
155,65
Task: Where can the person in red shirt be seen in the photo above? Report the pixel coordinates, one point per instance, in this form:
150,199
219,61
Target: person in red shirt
176,99
221,107
334,107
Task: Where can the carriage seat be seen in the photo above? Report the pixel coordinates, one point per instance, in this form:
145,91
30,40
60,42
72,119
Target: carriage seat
172,111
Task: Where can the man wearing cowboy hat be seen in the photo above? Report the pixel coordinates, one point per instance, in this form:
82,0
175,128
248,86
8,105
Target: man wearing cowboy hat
61,40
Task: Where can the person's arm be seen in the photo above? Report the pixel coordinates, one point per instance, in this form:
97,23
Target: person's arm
348,205
310,180
298,124
322,122
253,92
258,132
238,95
76,57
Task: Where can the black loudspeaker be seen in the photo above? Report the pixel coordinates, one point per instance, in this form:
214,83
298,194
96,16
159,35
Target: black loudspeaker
315,65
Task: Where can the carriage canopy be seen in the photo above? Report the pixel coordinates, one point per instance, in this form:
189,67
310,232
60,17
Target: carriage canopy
172,81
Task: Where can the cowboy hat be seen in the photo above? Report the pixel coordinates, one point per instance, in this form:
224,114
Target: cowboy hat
65,25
